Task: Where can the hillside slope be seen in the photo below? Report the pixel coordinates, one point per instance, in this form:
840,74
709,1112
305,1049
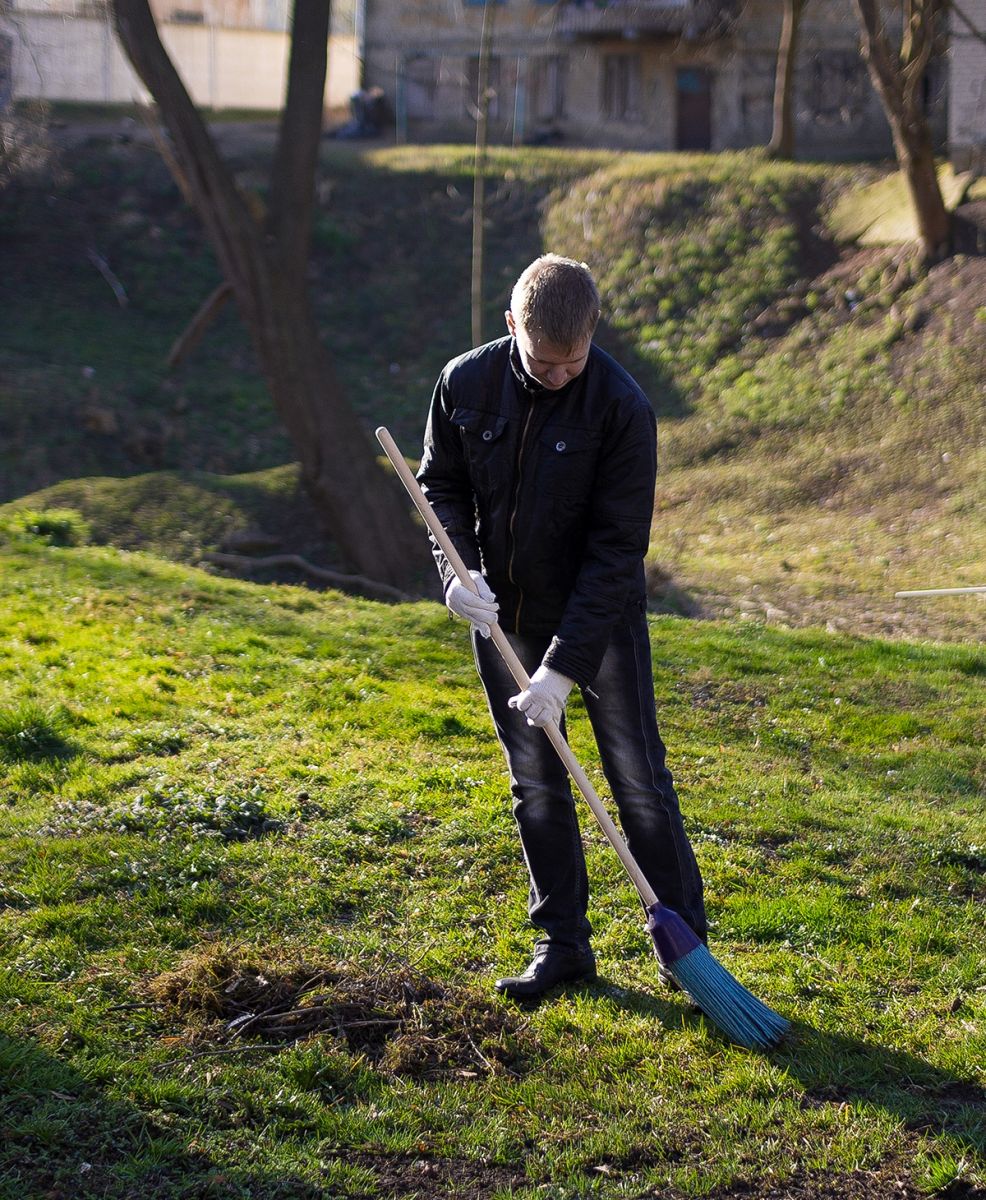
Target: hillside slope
846,462
822,413
824,431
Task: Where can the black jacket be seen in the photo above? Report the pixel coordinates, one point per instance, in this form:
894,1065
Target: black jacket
549,494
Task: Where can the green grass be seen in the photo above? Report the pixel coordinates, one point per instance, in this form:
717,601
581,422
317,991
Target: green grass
214,790
258,867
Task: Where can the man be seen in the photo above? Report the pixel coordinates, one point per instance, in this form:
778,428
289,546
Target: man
540,461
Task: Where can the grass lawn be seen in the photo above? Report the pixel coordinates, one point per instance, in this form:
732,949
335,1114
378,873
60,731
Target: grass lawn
259,872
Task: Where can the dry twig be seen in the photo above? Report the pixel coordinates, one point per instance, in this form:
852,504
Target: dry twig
360,583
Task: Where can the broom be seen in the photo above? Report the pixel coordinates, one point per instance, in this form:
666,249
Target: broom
737,1012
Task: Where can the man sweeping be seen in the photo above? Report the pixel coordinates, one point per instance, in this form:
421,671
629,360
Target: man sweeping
540,462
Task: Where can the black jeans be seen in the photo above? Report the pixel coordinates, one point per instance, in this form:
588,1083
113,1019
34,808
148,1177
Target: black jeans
620,706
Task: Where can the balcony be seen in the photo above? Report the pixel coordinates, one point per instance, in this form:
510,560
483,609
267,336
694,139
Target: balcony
636,20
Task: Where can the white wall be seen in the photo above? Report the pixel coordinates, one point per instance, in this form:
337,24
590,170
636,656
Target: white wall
967,91
79,59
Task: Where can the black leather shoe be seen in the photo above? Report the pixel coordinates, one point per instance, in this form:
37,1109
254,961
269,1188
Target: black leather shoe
550,966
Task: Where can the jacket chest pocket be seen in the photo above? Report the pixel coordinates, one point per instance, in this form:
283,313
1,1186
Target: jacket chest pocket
483,442
567,461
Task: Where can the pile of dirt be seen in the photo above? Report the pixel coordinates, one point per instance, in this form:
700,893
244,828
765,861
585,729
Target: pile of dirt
398,1020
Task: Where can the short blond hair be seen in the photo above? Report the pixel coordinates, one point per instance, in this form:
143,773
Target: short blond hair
557,299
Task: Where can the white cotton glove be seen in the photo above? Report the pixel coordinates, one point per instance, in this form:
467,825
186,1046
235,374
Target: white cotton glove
480,610
544,700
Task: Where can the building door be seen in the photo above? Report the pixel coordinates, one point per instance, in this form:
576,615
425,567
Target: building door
694,97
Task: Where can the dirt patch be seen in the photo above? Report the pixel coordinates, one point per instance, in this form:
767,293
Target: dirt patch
829,284
400,1021
970,227
857,1185
425,1175
715,694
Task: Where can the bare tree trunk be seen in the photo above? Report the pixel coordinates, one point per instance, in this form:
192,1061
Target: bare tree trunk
781,143
898,79
266,268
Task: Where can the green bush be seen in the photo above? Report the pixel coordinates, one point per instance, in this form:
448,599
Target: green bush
53,526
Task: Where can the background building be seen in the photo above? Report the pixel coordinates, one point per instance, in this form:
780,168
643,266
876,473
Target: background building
648,75
231,54
967,91
638,74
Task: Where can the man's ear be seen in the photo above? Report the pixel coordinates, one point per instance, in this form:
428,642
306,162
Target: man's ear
511,323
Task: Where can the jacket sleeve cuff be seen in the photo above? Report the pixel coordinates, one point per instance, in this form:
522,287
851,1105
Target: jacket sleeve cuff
469,553
578,666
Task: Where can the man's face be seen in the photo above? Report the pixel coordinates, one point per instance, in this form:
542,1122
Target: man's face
552,366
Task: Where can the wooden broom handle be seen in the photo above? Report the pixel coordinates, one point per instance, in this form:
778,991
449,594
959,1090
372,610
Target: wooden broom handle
516,669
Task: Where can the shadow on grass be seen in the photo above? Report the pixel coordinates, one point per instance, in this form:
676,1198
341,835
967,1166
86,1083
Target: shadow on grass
30,733
62,1137
835,1068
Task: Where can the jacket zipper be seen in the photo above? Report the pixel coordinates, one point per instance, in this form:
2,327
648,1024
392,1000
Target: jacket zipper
513,515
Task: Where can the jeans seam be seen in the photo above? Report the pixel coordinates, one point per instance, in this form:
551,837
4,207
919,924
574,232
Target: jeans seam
686,871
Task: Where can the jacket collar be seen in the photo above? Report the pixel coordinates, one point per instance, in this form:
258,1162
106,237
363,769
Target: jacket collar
529,386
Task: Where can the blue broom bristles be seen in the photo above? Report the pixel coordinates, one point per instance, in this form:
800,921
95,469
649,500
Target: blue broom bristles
723,999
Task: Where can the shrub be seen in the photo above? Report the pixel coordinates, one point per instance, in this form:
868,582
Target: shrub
53,526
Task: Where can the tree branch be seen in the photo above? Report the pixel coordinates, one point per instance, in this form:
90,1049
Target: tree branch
781,143
209,179
195,330
370,587
878,55
916,50
103,267
897,79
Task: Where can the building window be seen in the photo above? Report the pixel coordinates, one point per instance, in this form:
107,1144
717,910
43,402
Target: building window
492,84
421,83
621,87
548,87
836,88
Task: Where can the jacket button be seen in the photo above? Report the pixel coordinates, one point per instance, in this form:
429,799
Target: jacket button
487,435
559,446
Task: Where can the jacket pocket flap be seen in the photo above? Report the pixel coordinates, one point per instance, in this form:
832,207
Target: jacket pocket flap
485,425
